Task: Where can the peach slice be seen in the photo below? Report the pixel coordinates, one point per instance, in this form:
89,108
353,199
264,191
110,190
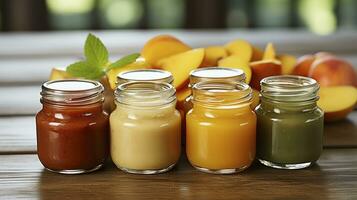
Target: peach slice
303,65
269,52
332,71
212,55
237,62
337,101
180,65
162,46
262,69
288,63
257,54
181,96
256,99
241,48
112,74
59,74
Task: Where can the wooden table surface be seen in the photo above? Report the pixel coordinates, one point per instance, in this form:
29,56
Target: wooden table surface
333,177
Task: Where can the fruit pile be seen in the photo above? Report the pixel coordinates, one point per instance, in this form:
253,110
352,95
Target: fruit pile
337,78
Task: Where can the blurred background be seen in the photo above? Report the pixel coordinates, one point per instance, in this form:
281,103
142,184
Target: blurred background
38,35
318,16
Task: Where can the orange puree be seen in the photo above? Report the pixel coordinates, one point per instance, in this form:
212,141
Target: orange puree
221,139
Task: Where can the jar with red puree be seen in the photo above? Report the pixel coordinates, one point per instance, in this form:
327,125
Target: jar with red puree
72,128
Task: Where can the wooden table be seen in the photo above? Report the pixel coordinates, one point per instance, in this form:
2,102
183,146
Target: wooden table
26,60
333,177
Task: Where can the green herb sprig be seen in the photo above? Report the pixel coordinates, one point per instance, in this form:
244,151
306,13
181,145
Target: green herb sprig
96,63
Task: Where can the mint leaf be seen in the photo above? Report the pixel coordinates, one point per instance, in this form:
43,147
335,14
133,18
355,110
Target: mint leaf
85,70
126,60
95,51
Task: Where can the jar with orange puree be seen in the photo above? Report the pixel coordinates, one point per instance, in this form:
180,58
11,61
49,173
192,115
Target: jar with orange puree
212,74
208,74
221,127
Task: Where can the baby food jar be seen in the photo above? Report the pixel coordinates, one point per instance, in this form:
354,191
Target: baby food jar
145,128
212,74
206,74
72,128
290,125
221,127
145,75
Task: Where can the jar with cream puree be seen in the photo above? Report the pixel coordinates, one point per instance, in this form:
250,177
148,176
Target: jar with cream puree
72,128
221,127
145,128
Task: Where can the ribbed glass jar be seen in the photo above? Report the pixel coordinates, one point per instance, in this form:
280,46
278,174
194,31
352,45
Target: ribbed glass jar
290,125
221,127
145,128
72,128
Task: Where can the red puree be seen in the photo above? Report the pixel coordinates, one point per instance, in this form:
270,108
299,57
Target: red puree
72,138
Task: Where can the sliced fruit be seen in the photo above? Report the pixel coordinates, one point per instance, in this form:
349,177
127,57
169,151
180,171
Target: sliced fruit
59,74
332,71
303,65
240,48
257,54
288,63
112,74
162,46
256,99
237,62
262,69
337,102
108,104
212,55
181,96
269,52
180,65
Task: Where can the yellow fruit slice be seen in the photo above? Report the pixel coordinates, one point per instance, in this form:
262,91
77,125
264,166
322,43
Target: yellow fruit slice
112,74
269,53
240,48
180,65
238,63
59,74
162,46
337,101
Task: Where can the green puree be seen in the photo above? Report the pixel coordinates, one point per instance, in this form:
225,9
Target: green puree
288,135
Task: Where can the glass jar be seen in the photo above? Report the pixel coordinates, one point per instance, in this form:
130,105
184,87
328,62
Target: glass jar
145,75
220,132
212,74
72,128
290,125
207,74
145,128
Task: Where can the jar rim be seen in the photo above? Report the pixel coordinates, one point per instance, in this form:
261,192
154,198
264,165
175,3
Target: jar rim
223,93
289,88
145,94
72,92
216,73
153,75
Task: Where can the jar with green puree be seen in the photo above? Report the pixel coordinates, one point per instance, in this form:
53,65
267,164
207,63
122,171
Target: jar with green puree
290,125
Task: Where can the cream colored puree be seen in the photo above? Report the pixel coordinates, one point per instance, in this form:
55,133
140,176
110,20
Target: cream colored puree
145,138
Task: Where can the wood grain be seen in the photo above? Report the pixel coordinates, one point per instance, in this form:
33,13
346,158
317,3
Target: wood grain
18,134
334,177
